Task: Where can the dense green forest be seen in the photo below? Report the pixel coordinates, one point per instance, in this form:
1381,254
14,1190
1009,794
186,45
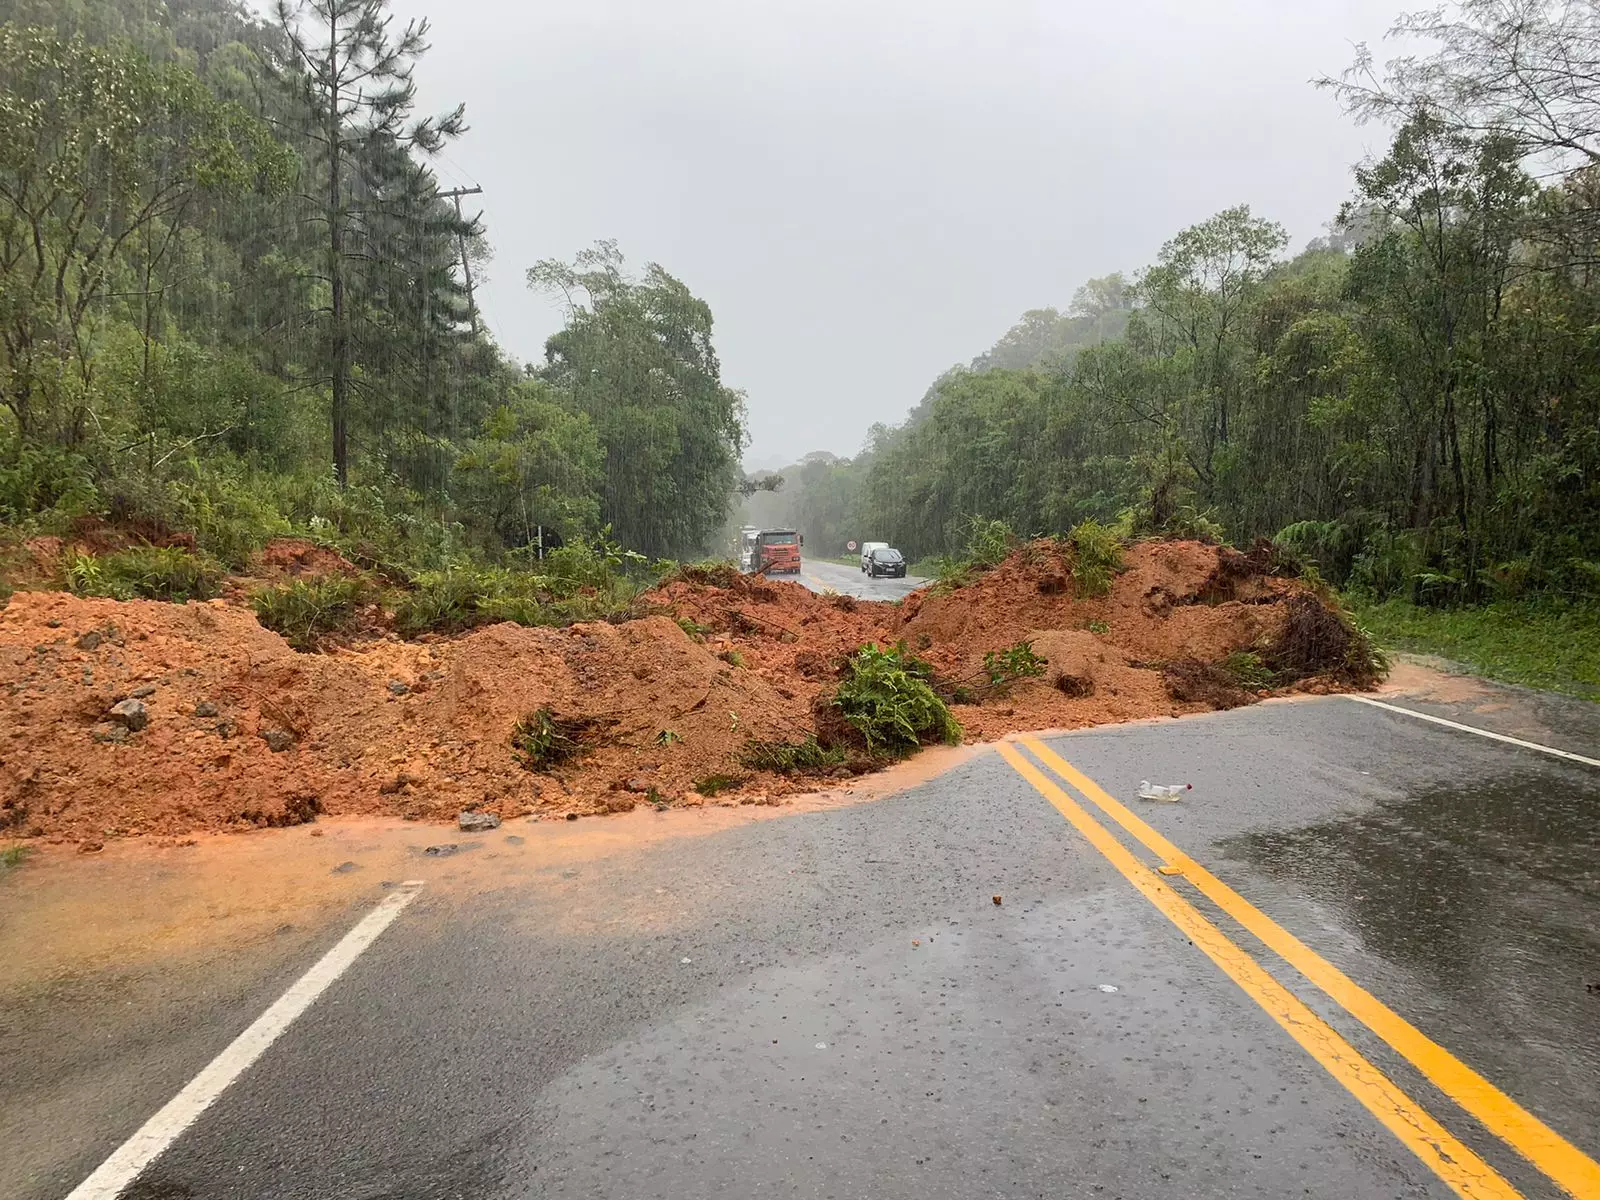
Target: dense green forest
235,301
1412,401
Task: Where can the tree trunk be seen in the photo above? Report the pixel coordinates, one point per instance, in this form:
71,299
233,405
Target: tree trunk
341,328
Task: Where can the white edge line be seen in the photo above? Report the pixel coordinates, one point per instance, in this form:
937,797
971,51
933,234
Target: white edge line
161,1130
1499,737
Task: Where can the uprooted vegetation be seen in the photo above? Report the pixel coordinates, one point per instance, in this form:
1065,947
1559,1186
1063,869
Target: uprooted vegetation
541,740
887,704
712,687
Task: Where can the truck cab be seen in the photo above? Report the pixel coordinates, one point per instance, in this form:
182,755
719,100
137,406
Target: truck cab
779,551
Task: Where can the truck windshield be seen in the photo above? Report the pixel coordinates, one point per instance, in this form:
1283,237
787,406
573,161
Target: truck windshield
778,538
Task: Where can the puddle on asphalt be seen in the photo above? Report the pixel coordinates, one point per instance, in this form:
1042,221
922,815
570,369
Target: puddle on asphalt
1483,902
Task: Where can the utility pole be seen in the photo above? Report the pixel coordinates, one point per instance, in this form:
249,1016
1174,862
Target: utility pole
461,239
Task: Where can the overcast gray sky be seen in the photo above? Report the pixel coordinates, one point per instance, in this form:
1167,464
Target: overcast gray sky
867,191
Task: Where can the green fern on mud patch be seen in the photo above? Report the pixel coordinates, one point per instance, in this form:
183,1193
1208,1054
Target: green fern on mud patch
887,698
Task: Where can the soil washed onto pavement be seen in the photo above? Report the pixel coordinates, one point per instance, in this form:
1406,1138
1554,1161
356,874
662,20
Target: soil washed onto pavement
122,718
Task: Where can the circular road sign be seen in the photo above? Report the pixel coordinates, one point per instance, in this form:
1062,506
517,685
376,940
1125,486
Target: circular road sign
849,545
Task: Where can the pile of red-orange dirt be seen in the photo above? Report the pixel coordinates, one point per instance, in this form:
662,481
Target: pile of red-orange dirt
145,718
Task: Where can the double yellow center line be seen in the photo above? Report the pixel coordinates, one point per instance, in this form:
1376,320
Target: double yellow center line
1463,1170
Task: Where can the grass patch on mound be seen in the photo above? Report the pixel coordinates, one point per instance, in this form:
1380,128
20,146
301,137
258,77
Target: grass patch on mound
566,589
787,758
712,785
308,610
145,573
1096,557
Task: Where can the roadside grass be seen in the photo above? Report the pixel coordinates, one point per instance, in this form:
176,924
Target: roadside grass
1541,646
14,855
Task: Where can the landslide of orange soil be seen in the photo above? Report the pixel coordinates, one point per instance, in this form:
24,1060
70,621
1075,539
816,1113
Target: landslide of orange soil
243,731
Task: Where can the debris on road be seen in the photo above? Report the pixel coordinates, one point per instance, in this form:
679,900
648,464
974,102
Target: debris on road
996,900
1103,658
477,822
1170,792
1106,987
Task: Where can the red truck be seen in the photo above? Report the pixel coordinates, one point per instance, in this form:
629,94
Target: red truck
779,550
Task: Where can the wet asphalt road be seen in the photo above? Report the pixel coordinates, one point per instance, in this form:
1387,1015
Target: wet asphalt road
821,576
829,1005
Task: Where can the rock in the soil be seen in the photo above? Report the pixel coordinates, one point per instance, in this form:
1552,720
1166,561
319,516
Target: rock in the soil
638,784
143,691
88,641
133,714
399,687
345,868
107,732
205,709
226,729
477,822
277,740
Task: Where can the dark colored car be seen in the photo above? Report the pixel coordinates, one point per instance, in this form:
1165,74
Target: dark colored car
887,561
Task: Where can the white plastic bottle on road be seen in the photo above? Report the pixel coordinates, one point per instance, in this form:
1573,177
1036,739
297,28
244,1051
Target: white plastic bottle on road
1162,791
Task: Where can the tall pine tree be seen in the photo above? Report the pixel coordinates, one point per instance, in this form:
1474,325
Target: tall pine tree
355,78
